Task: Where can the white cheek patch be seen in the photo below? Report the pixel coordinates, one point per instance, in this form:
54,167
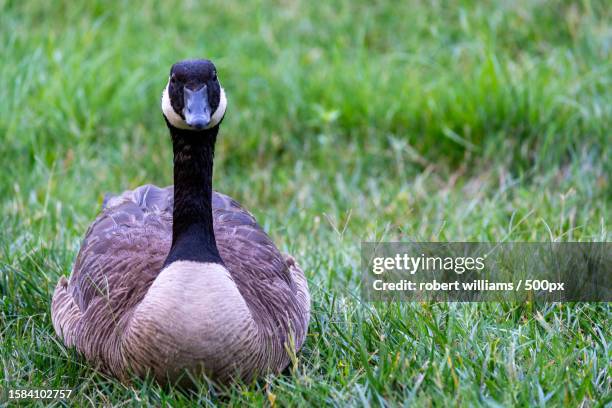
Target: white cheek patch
177,121
173,117
220,112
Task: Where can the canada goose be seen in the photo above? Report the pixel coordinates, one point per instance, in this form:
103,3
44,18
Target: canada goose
182,278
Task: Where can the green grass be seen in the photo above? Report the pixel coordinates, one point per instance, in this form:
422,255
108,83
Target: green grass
479,121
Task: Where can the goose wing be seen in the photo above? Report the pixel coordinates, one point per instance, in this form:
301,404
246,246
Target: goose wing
271,284
120,256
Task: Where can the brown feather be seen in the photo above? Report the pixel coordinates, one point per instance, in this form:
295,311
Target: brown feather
122,254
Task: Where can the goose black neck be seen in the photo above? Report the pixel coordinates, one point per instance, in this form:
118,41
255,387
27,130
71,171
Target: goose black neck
193,237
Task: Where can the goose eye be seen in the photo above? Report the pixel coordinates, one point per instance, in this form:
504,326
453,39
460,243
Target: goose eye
215,76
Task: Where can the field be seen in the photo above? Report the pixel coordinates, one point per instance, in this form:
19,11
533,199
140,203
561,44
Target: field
347,121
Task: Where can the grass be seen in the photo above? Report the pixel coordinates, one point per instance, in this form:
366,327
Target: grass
347,121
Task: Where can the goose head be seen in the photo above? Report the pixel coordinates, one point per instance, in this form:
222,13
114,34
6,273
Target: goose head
193,99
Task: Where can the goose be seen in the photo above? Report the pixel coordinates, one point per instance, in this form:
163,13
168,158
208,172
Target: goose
181,281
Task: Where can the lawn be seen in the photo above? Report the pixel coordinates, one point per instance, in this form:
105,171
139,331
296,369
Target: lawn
347,121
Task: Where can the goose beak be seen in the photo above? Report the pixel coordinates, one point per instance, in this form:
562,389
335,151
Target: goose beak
197,109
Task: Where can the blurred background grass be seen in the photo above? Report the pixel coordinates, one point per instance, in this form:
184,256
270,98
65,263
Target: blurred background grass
347,121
